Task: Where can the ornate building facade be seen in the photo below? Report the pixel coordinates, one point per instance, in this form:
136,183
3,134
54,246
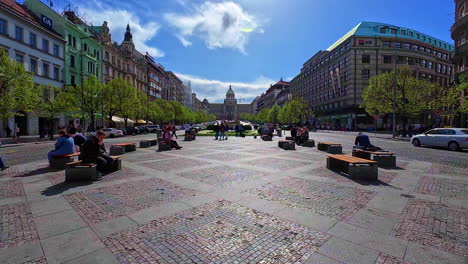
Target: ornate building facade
230,109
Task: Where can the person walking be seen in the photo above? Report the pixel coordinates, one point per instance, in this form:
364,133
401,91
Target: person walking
226,130
8,131
17,132
222,129
216,130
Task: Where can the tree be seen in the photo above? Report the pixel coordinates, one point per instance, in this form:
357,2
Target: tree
178,112
167,111
91,98
412,96
116,94
262,115
55,101
294,111
17,89
462,89
273,114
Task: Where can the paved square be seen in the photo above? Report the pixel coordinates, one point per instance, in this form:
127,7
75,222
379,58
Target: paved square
278,164
17,225
11,189
326,199
219,232
435,225
106,203
443,187
125,173
174,164
226,156
222,175
384,176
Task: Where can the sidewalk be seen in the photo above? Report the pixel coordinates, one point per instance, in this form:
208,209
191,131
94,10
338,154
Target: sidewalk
6,142
378,134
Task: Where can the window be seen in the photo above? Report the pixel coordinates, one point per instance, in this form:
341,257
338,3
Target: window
365,73
415,47
106,55
72,61
45,69
365,58
424,63
428,50
45,45
72,80
403,32
410,60
19,33
398,45
113,59
383,30
400,60
361,42
57,73
33,66
106,70
3,27
19,58
32,40
417,35
74,42
85,47
386,44
429,64
422,48
393,31
56,50
387,59
407,45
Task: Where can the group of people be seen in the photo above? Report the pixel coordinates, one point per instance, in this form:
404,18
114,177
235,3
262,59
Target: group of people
169,136
8,131
239,128
221,131
300,134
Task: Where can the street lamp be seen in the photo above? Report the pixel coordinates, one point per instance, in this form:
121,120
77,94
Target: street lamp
394,80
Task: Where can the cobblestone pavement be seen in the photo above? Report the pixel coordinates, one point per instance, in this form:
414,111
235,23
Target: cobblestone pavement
243,200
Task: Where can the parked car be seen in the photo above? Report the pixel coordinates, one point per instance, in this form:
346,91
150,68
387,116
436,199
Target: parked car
143,129
153,128
130,130
113,132
451,138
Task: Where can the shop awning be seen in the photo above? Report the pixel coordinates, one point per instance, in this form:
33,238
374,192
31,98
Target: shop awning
121,120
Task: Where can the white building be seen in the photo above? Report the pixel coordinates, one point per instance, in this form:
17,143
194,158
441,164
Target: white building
188,95
32,41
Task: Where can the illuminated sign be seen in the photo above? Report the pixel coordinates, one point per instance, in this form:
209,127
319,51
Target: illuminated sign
46,22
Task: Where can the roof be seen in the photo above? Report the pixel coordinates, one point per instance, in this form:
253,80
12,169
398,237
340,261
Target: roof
21,11
372,29
230,91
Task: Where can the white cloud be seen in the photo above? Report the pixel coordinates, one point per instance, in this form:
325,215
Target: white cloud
215,90
117,22
220,25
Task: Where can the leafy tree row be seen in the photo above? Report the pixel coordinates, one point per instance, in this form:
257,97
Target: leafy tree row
18,93
293,112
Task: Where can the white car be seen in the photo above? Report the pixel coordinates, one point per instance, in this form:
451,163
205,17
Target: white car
113,132
451,138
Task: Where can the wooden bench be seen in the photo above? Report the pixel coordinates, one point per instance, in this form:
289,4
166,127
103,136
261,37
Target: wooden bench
163,146
153,142
122,148
354,166
383,158
145,144
332,148
310,143
60,161
188,138
267,138
79,171
287,144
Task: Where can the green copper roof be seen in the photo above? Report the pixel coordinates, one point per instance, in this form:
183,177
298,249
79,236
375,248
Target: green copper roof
230,91
372,29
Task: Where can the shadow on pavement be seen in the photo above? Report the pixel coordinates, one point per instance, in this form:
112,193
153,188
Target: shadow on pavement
365,182
62,187
37,172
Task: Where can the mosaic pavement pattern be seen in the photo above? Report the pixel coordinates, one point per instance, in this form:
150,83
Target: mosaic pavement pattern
222,175
173,164
219,232
386,259
327,199
278,164
445,169
17,225
125,173
434,224
443,187
106,203
11,189
384,176
227,156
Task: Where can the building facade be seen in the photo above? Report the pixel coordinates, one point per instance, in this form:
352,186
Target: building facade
188,95
332,81
156,77
198,105
230,109
173,90
31,39
459,32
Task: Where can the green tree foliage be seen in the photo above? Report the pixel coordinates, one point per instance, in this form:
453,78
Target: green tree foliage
55,101
462,89
17,89
89,97
247,117
262,115
167,111
412,96
273,114
118,94
294,111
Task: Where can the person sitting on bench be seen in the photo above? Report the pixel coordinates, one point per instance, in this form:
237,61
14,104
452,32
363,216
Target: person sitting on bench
362,142
302,136
169,139
94,151
64,145
79,139
2,165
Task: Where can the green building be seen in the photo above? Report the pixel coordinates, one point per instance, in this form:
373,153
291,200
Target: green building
83,49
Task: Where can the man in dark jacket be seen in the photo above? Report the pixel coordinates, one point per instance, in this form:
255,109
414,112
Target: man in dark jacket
94,151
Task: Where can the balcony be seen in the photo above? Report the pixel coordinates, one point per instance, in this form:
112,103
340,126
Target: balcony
460,25
460,51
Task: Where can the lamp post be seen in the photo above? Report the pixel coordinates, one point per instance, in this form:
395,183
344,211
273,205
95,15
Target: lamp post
394,81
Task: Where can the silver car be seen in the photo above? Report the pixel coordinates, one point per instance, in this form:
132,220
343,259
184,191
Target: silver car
451,138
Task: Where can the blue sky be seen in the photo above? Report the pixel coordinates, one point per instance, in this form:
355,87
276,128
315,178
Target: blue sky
251,43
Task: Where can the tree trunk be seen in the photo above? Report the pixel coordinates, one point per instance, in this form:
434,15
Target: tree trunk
125,120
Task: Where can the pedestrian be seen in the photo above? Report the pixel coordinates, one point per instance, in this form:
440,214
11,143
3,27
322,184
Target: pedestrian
8,131
293,131
226,130
216,130
222,129
241,130
236,128
2,165
17,132
187,128
174,130
64,145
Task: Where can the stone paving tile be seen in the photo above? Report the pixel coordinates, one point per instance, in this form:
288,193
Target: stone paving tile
222,175
275,163
443,187
41,260
125,173
327,199
435,225
226,156
174,164
386,259
17,225
146,156
11,189
106,203
384,176
446,169
219,232
305,155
